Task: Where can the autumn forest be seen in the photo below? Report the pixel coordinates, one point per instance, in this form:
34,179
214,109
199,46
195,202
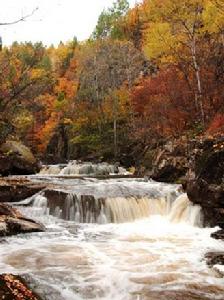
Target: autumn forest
145,75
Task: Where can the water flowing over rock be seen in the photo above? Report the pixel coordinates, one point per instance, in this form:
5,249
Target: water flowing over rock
83,169
117,202
106,239
196,163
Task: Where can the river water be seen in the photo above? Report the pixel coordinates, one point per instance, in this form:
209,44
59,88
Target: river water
143,240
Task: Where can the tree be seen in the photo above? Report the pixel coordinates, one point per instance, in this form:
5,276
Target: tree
173,36
133,26
161,107
105,66
24,76
108,22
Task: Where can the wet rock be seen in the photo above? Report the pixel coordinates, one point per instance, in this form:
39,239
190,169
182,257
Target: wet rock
15,288
218,235
215,258
17,159
22,225
6,210
15,189
66,205
207,186
12,222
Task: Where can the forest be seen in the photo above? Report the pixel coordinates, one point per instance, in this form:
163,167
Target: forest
146,75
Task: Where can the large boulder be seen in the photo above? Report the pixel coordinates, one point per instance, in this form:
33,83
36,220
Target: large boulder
12,222
167,162
207,185
17,159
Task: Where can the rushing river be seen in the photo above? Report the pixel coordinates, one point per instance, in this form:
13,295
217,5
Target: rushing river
143,240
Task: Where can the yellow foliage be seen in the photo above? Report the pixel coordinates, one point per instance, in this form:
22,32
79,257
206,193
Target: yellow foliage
37,74
213,16
160,42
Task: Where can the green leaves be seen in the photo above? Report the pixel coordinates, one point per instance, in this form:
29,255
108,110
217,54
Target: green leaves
108,22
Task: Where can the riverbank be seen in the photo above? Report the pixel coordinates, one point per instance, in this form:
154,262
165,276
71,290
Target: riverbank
15,288
197,164
14,189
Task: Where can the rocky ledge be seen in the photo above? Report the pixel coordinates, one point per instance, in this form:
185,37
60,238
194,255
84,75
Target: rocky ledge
17,189
196,163
207,185
12,222
15,288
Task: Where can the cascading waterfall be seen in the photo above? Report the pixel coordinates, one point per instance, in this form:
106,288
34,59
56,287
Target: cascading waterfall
89,209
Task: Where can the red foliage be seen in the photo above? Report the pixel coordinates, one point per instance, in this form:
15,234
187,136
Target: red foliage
217,124
164,103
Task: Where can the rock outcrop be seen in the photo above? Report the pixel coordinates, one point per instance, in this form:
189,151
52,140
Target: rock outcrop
17,189
207,186
199,165
12,222
17,159
170,161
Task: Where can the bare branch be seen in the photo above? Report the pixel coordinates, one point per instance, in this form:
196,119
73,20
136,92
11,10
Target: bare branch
22,19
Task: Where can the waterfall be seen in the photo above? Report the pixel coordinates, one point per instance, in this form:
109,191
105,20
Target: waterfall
75,168
90,209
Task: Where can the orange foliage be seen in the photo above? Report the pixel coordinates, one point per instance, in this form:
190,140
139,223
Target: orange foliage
66,86
45,133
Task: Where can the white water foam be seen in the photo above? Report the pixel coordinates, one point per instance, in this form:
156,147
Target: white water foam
131,261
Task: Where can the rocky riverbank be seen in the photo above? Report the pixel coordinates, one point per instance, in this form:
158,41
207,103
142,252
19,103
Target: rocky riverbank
12,222
199,165
14,189
207,186
15,288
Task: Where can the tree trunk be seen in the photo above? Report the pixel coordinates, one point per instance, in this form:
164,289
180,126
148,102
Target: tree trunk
115,125
115,138
198,95
64,138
